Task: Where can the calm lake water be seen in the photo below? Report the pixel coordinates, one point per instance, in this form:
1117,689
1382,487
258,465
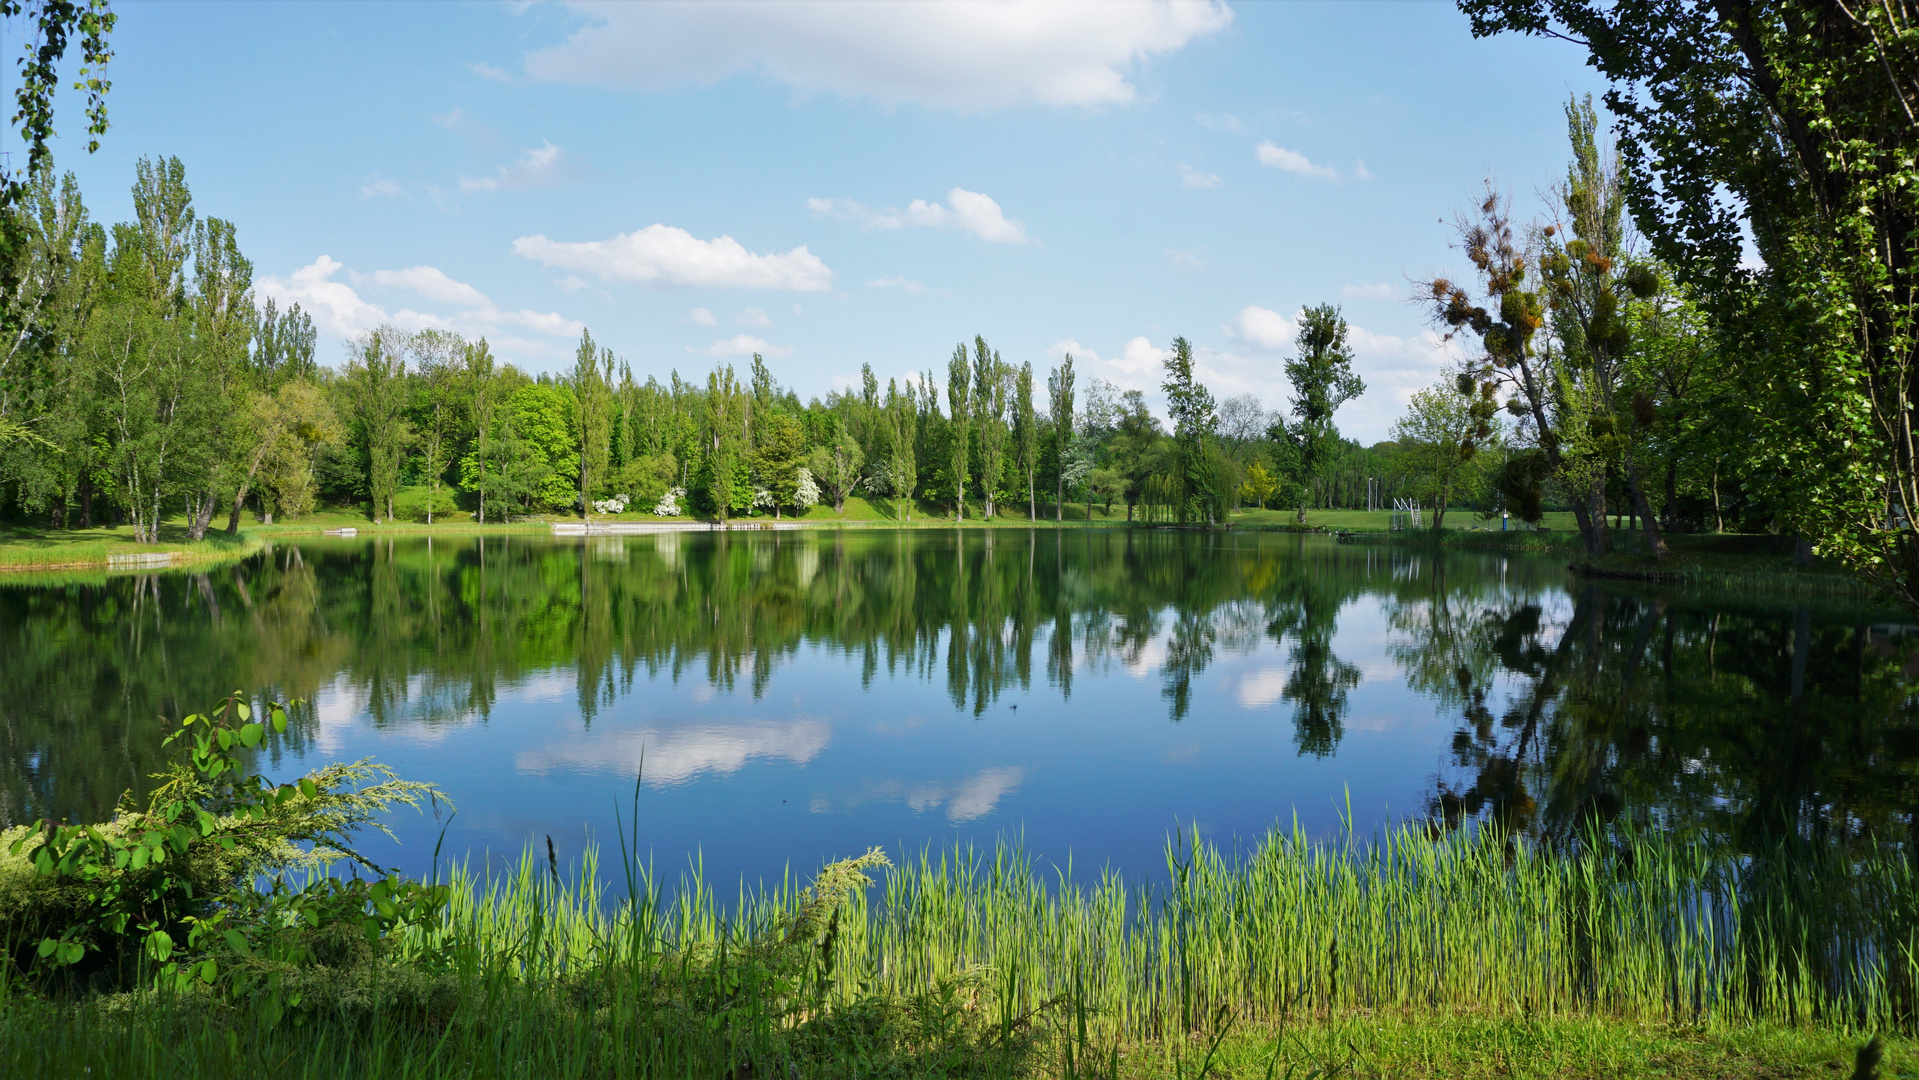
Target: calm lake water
802,696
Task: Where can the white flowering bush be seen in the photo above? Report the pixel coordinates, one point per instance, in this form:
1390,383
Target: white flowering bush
669,504
807,494
762,499
614,505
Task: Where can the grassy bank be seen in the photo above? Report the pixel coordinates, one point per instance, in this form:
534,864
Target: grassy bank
28,547
1416,955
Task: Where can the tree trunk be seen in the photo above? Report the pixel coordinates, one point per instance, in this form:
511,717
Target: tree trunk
202,517
86,502
1655,542
1718,516
1592,519
246,482
1032,504
1668,513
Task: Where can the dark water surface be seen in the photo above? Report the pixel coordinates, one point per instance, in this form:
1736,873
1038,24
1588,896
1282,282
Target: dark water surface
801,696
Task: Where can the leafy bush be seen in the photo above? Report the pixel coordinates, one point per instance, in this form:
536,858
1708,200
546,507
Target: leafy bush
172,888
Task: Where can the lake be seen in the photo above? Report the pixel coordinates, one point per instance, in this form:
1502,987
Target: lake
785,698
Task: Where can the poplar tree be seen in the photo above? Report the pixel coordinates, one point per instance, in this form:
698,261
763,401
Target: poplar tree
902,421
377,386
1026,433
989,411
436,354
593,401
959,445
1323,379
727,413
1194,425
476,362
1059,386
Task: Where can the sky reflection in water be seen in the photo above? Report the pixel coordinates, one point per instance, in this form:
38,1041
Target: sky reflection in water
798,697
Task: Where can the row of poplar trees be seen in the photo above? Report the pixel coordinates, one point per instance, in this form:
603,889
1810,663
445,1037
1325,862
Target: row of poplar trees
147,385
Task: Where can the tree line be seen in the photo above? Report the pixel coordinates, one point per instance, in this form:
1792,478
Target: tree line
144,382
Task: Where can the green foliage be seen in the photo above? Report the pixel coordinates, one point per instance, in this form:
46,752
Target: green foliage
1791,123
172,884
543,419
1323,379
1440,438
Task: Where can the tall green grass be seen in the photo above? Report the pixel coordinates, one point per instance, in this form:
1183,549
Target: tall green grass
1646,927
985,962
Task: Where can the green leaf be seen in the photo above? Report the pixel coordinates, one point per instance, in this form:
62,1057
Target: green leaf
241,708
279,720
308,788
251,734
238,942
47,947
159,945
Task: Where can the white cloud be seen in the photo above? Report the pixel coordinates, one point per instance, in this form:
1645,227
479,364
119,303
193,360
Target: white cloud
542,166
969,211
571,283
702,317
753,317
376,187
1292,161
488,71
1188,177
797,311
945,53
1140,358
1219,122
1361,171
338,309
1262,327
1368,290
1184,260
742,345
900,282
1392,366
334,306
666,256
433,284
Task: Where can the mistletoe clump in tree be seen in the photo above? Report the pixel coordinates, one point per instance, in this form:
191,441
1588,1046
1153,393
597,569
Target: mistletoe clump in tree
1797,124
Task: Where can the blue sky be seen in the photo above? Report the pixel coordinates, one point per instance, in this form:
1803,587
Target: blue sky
838,184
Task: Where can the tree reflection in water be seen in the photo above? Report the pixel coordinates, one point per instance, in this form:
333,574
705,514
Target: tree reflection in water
1741,719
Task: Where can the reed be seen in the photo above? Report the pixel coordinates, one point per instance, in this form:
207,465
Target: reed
984,962
1644,927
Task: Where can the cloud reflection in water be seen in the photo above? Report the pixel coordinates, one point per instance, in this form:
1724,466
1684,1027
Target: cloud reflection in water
677,754
965,800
